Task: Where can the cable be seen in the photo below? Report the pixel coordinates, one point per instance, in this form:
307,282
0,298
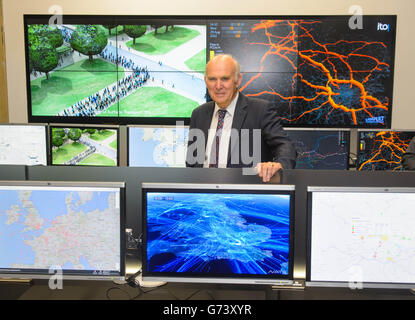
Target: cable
116,288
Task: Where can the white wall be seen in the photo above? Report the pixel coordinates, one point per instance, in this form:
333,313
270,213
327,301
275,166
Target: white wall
403,112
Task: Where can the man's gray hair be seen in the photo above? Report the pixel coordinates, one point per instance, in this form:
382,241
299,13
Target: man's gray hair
227,56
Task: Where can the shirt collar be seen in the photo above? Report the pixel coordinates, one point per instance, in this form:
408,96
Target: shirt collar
230,109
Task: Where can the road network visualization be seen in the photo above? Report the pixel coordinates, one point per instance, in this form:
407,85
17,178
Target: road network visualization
218,234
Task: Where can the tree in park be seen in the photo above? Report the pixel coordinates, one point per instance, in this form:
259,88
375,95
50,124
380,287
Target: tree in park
135,31
157,26
89,40
43,41
109,27
44,58
90,130
58,137
74,134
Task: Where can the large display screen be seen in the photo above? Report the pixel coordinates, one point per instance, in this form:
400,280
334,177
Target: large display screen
224,234
74,229
321,149
382,150
23,145
361,237
163,146
84,146
320,71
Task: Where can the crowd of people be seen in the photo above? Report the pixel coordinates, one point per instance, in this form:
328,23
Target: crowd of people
105,98
102,100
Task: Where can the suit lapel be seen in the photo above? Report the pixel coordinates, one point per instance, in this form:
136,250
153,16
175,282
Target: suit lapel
238,121
207,120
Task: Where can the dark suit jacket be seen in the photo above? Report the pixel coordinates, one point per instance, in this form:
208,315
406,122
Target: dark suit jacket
250,113
408,158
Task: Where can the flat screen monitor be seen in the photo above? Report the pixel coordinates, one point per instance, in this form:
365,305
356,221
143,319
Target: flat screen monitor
382,149
218,233
320,71
321,149
361,237
157,146
23,144
73,229
84,145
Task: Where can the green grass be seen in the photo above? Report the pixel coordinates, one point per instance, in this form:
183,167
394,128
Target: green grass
162,42
64,89
67,152
101,135
197,62
97,160
113,144
163,103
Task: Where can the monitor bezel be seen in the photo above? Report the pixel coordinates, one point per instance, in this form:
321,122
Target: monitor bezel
82,126
344,284
183,19
226,278
72,274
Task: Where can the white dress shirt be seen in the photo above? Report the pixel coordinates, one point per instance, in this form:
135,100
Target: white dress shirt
225,136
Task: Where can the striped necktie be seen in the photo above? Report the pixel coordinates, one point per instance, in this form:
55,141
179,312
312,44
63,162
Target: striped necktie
214,152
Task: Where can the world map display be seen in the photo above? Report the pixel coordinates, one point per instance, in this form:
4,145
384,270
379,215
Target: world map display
157,147
75,229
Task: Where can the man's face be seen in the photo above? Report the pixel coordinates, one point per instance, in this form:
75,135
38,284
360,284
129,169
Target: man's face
220,81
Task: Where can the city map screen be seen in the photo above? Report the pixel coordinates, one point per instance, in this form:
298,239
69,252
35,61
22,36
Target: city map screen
382,149
320,71
50,228
84,146
199,233
321,149
157,146
361,237
23,145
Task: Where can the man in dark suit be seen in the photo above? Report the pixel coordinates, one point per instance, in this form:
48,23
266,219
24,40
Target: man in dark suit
408,158
234,130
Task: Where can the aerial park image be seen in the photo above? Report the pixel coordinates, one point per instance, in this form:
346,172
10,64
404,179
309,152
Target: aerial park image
116,70
84,146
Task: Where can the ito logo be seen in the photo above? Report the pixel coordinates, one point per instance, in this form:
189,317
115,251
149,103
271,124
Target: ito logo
383,27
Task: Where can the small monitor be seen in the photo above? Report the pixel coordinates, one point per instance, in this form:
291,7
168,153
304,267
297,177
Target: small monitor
84,145
361,237
382,149
321,149
157,146
218,233
23,144
73,229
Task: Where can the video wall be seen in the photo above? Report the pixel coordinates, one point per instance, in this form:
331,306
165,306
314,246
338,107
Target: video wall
150,70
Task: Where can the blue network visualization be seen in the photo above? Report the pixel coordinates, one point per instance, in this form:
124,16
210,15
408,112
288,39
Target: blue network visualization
218,234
